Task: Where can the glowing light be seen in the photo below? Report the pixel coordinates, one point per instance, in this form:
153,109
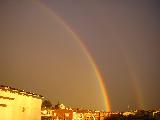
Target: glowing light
44,112
128,113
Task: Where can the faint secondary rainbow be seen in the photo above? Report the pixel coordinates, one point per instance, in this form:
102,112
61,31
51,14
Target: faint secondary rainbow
91,61
131,70
135,78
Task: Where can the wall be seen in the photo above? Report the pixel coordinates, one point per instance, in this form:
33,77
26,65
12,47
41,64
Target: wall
19,106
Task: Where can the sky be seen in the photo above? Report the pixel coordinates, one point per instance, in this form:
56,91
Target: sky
39,54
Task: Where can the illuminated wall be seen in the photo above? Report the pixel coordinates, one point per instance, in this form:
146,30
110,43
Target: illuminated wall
19,105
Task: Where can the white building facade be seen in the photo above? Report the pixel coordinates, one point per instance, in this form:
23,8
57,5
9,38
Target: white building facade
19,105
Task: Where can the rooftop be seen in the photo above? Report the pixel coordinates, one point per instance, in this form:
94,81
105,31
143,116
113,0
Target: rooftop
21,92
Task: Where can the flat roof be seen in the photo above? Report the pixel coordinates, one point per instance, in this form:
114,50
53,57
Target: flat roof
21,92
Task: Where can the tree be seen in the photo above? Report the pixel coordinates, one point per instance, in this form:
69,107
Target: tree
46,104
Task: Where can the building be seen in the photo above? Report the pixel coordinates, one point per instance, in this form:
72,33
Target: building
60,112
17,104
84,114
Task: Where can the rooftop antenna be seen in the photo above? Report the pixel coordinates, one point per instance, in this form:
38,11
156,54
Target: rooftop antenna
129,107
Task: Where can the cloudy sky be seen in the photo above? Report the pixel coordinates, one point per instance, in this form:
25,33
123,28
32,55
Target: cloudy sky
38,53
